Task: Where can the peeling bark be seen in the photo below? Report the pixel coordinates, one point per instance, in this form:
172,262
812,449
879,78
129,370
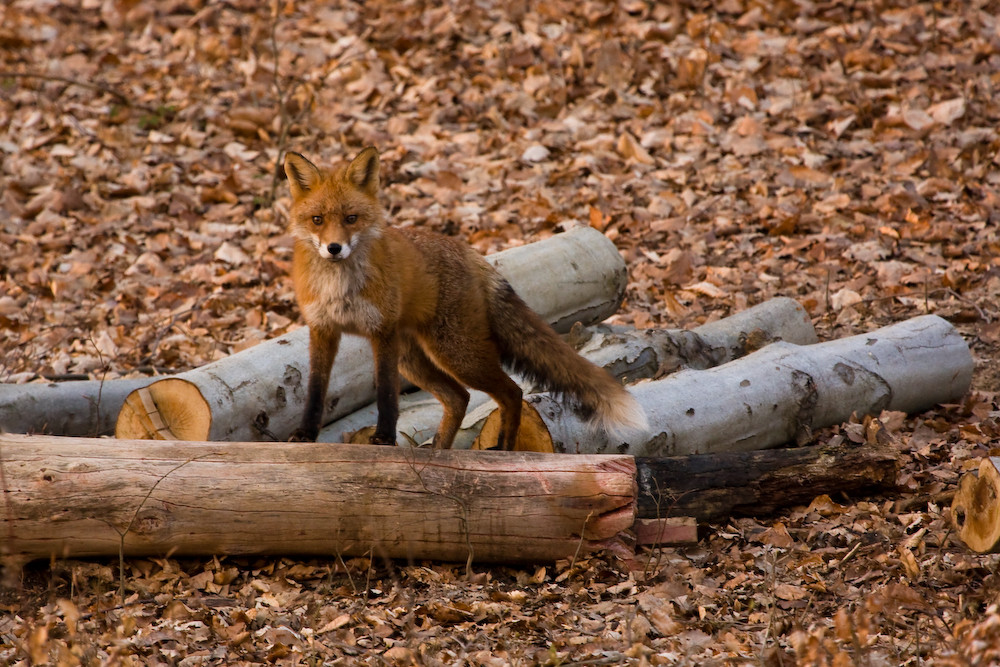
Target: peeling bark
714,487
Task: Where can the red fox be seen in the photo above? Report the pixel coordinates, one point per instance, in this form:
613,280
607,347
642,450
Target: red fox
432,308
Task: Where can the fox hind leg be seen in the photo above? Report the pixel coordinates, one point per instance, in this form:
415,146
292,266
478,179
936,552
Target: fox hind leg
496,383
421,371
478,366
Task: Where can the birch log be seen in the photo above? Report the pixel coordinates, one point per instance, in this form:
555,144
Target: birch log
259,393
87,408
626,354
79,497
781,393
649,353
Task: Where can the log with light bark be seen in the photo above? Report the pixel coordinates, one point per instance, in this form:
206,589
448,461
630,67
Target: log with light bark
777,395
627,354
259,393
78,407
653,353
975,510
78,497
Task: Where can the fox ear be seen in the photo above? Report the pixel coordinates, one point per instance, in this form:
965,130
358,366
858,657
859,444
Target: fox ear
302,174
363,171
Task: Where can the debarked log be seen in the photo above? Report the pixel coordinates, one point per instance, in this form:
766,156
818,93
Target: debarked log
654,353
779,394
79,497
259,393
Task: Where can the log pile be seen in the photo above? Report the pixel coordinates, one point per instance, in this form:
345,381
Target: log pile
258,394
779,394
628,354
722,400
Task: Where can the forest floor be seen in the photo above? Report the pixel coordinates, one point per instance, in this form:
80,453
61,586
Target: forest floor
841,153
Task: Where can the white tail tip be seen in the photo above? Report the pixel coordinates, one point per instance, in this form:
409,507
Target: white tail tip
623,419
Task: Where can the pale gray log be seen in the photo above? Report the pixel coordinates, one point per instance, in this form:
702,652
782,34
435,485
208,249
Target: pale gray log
85,408
781,393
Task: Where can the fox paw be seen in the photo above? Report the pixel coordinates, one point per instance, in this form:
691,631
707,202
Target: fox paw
302,436
382,440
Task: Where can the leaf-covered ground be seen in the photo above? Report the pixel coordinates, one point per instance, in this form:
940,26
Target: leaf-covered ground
841,153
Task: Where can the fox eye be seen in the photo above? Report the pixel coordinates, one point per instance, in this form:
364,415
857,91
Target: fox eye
317,220
350,219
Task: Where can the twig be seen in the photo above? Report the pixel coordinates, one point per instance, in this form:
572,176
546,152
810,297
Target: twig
907,504
579,544
123,533
660,514
850,554
347,571
100,388
463,514
100,87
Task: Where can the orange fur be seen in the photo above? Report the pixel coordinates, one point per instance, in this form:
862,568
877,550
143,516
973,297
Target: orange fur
432,307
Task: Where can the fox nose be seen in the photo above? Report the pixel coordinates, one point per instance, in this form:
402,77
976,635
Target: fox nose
334,249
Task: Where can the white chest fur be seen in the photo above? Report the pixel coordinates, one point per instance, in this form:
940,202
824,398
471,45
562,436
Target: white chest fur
340,303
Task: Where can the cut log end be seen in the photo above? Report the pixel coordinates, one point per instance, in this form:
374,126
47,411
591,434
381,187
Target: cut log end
171,409
532,435
975,510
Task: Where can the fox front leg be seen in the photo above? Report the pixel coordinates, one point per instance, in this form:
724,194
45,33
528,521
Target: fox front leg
323,344
386,351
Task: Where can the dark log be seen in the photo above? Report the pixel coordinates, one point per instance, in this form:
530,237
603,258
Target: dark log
714,487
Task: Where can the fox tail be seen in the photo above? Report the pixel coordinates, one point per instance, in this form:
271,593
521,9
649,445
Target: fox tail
530,347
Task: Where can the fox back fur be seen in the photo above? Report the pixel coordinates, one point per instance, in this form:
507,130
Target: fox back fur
432,308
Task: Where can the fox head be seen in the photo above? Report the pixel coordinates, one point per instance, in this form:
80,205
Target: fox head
337,212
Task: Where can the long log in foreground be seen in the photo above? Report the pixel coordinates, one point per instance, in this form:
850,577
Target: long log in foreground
258,394
69,497
779,394
75,497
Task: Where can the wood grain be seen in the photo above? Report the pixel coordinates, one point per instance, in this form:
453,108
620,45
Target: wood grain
75,497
